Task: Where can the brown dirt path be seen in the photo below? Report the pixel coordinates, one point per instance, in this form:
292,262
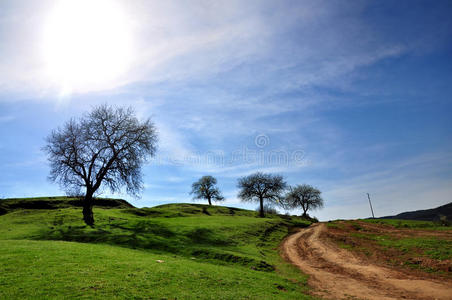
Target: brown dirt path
336,273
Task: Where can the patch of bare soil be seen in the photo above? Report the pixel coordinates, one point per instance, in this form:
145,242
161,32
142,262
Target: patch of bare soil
336,273
411,262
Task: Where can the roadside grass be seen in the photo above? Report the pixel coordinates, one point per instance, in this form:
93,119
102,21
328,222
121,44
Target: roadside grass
435,248
210,252
334,224
428,248
411,224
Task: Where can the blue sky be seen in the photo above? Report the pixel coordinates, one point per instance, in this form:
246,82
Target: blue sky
349,96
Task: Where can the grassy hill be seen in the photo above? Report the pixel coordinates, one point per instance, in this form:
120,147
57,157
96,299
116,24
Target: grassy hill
165,252
433,214
11,204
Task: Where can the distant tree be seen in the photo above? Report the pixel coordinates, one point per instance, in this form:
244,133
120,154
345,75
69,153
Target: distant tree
205,188
303,196
102,149
260,187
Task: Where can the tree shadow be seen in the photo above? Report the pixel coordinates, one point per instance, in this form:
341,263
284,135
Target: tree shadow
206,236
202,243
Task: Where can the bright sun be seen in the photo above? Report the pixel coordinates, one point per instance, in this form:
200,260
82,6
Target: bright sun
87,44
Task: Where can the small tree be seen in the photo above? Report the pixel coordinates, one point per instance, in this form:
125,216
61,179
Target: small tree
305,196
103,149
260,187
205,188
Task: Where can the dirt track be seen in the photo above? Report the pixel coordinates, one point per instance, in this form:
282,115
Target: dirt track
336,273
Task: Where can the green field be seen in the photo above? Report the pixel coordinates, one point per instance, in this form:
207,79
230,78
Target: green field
411,224
175,251
422,245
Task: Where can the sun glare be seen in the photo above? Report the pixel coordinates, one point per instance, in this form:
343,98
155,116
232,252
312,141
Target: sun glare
87,44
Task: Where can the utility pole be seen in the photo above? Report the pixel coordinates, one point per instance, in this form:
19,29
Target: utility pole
370,203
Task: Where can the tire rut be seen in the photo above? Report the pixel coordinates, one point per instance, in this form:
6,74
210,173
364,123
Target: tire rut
336,273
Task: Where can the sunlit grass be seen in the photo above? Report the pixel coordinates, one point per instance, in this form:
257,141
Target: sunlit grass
412,224
208,252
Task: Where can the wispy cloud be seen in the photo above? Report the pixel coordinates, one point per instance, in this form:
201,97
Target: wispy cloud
309,44
307,74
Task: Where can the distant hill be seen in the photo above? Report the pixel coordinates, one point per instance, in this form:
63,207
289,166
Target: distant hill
10,204
425,214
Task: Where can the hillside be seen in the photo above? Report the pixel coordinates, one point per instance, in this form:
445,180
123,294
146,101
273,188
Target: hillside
425,214
169,251
10,204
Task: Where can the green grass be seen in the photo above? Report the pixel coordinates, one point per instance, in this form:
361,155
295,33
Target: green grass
208,253
32,269
334,225
421,245
432,247
411,224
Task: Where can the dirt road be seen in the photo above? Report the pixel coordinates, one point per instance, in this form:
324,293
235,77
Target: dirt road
336,273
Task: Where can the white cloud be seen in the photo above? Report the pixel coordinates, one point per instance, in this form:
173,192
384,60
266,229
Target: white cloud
301,44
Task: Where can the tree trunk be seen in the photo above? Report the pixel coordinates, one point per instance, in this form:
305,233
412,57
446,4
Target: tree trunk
261,212
210,202
305,209
88,209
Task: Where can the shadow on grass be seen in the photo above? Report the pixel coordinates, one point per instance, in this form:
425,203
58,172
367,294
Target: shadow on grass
206,236
142,235
201,243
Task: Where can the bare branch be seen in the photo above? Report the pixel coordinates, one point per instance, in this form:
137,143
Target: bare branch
260,187
103,149
205,188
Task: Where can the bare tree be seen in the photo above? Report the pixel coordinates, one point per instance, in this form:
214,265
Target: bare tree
305,196
260,187
205,188
101,150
